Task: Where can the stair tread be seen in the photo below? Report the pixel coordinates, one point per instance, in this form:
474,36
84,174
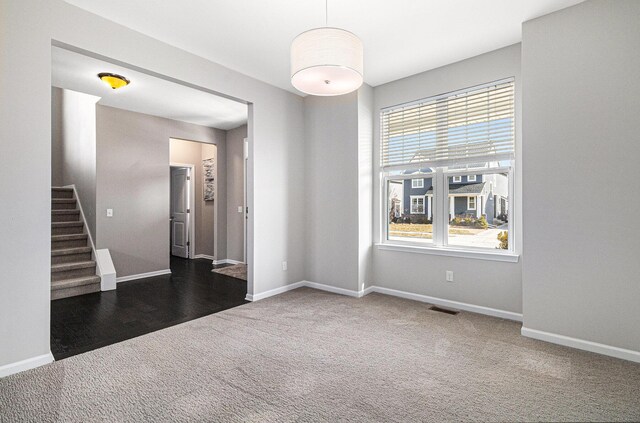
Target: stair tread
61,189
63,267
63,200
66,211
74,282
70,250
66,224
68,237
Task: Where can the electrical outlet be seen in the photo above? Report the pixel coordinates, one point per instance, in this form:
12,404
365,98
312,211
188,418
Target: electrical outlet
284,265
449,275
240,209
109,212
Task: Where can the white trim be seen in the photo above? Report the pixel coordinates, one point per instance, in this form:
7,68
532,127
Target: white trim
582,344
475,177
276,291
106,270
421,185
503,314
418,197
308,284
479,254
204,256
456,179
29,363
475,202
143,275
226,261
336,290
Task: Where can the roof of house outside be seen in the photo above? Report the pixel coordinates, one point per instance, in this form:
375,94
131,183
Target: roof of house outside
463,188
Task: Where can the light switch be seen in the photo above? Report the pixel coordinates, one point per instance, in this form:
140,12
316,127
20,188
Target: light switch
109,212
240,209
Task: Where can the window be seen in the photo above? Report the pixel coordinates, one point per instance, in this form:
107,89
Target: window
417,204
469,134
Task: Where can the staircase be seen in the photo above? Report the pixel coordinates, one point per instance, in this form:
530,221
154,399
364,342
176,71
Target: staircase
73,270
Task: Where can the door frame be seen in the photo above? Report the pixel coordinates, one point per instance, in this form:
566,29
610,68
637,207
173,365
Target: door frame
191,233
245,211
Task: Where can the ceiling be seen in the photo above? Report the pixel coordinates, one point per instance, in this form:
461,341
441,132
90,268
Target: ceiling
146,94
401,37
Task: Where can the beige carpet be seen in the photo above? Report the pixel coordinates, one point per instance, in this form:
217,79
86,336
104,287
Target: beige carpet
238,271
307,356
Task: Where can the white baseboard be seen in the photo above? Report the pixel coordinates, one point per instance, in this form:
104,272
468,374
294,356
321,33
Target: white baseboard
204,256
393,292
29,363
503,314
581,344
272,292
335,290
227,261
143,275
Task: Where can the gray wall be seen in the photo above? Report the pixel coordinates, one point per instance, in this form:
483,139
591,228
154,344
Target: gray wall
581,91
235,192
331,190
485,283
73,139
189,152
133,180
276,156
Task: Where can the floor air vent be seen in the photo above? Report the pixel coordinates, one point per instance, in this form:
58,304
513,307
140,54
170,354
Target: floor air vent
444,310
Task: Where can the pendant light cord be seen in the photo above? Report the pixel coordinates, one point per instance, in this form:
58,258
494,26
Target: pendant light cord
326,13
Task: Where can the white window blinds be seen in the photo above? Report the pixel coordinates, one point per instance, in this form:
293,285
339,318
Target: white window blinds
473,125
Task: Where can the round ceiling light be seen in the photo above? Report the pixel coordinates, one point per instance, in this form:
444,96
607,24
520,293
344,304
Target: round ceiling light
326,62
113,80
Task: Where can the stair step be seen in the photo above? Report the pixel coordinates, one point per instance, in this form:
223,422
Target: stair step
68,241
64,271
68,251
70,255
62,192
66,228
74,286
63,204
65,215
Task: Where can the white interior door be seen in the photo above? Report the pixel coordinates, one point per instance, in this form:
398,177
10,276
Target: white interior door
180,212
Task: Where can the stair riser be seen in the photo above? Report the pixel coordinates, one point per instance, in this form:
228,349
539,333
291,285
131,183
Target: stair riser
72,292
65,217
73,230
75,273
61,194
71,258
56,245
63,206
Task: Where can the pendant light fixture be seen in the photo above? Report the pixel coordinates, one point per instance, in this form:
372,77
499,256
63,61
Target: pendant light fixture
327,61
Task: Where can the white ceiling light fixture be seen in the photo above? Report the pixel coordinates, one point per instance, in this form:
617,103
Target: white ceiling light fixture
327,61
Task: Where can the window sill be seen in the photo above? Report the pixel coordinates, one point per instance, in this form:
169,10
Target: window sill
508,257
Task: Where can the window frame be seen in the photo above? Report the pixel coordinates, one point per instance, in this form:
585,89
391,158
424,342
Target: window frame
421,185
424,204
456,180
475,202
440,211
474,176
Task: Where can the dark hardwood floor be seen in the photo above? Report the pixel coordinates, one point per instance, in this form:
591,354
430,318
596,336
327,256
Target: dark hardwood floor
87,322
